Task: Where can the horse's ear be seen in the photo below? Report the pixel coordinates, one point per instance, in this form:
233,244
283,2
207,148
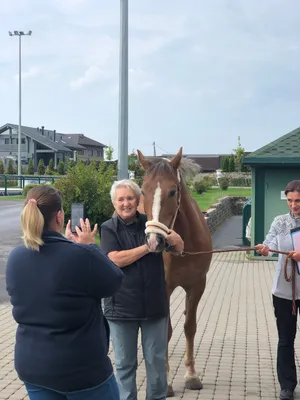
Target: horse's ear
175,162
143,161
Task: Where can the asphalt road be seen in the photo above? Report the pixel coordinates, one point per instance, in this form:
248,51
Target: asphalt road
10,236
228,235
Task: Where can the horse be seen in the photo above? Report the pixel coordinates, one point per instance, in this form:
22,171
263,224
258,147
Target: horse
168,204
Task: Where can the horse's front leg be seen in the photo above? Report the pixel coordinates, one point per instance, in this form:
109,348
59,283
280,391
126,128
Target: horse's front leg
192,380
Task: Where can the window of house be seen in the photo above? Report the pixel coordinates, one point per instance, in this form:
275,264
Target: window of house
6,141
99,153
90,152
23,141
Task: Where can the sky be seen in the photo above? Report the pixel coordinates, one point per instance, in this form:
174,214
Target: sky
201,72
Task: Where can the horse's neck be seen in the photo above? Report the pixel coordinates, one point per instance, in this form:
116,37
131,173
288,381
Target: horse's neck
188,215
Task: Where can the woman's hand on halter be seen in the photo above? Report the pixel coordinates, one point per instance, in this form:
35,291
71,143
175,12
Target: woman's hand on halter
262,249
85,235
175,240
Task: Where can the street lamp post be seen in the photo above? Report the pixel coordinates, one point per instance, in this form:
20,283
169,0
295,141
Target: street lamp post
123,94
20,34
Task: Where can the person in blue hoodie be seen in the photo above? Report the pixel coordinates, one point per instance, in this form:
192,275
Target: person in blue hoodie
56,286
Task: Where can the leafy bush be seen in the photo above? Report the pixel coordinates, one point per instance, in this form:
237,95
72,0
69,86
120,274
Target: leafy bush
1,167
239,179
209,181
200,184
30,186
91,186
223,182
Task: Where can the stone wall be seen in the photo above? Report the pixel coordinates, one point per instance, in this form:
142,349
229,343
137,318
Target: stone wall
225,208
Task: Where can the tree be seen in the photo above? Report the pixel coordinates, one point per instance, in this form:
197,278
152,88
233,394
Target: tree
225,164
133,165
239,155
61,168
10,167
1,167
30,170
50,169
41,167
51,165
109,151
231,164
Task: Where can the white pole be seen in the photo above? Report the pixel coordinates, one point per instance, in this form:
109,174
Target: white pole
20,107
123,94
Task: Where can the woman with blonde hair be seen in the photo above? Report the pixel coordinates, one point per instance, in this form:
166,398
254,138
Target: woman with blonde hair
56,286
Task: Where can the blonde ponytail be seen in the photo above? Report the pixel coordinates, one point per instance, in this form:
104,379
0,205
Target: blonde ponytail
32,222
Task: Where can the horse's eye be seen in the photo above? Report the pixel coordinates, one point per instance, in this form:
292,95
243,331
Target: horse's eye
142,193
172,193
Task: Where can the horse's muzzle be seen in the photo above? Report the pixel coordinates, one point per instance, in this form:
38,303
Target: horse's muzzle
156,242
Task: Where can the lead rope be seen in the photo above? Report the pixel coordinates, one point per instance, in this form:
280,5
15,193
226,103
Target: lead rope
291,278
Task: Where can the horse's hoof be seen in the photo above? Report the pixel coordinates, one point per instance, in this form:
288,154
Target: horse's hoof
170,391
193,383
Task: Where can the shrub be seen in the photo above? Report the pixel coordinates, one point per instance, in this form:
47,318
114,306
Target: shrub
1,167
30,170
29,187
200,186
10,168
224,182
209,181
50,169
41,167
86,184
61,168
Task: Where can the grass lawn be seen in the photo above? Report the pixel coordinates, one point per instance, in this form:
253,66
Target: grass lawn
206,199
12,197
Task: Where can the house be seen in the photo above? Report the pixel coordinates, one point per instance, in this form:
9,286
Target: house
207,162
40,143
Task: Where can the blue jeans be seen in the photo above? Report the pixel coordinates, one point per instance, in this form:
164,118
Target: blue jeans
124,335
108,390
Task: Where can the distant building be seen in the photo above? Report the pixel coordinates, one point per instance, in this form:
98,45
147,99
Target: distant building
40,143
207,162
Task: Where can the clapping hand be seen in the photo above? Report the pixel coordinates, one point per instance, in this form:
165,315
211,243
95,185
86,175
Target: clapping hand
85,235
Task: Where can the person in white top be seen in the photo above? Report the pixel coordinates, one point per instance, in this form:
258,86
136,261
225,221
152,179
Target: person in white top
279,238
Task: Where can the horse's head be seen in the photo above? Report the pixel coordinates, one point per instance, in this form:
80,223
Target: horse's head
161,191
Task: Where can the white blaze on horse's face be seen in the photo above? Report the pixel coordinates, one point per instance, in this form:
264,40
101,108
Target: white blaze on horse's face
152,241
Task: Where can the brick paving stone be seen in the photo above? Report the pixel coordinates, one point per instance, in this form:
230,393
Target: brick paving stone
235,343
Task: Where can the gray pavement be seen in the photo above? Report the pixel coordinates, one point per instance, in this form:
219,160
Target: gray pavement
10,236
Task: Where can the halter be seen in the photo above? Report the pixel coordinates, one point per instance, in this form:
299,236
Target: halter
158,227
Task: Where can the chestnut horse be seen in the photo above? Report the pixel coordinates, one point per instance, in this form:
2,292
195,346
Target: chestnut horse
167,203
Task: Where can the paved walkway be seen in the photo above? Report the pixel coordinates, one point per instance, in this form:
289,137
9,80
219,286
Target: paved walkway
235,342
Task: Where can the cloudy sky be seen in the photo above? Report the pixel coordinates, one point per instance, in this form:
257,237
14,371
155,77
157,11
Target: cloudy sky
201,72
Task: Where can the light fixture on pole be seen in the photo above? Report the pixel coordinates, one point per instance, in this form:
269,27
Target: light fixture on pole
123,94
20,34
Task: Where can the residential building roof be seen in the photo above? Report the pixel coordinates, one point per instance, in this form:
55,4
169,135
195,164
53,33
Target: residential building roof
78,139
284,150
55,140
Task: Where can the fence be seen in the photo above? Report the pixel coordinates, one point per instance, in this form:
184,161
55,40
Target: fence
15,183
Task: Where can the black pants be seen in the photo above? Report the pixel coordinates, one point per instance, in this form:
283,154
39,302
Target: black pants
286,326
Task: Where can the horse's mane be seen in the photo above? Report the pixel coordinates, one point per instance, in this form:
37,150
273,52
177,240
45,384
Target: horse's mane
188,168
